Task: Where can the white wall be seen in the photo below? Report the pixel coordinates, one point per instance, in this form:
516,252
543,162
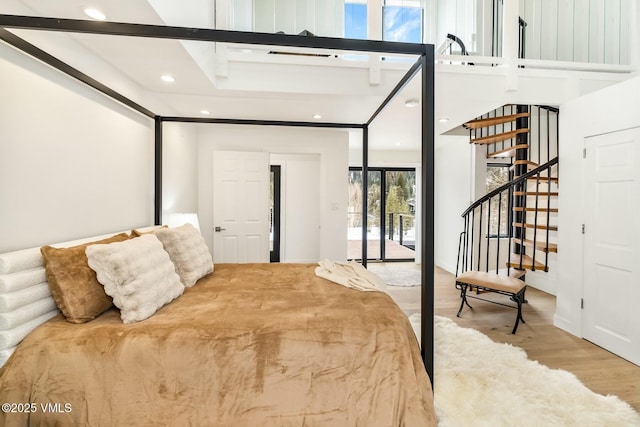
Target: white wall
454,175
330,145
73,163
386,158
608,110
179,169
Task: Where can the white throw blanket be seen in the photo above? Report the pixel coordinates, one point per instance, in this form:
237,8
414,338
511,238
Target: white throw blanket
352,275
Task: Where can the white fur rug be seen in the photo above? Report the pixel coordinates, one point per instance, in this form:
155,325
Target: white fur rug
479,382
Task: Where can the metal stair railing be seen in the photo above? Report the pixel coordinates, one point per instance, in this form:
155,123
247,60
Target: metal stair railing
474,237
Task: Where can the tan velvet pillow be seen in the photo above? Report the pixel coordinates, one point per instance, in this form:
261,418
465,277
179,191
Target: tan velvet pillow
137,232
73,284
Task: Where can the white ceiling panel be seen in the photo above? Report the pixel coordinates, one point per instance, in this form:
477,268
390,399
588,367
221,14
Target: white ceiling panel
229,81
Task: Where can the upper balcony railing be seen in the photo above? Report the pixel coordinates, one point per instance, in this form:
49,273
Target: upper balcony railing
596,32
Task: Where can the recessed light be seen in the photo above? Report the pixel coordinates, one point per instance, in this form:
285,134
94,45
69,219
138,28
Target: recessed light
317,116
444,120
94,13
205,112
411,102
167,78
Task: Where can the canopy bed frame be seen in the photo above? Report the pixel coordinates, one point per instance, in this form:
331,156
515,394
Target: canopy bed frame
424,64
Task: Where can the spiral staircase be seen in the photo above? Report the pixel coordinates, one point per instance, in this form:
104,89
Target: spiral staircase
513,228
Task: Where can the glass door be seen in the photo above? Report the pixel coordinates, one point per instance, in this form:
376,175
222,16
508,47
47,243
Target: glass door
373,215
400,209
390,214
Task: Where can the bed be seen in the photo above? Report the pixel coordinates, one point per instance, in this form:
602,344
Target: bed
246,345
353,368
422,70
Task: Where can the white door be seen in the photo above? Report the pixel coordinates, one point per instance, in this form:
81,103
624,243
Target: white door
240,207
611,244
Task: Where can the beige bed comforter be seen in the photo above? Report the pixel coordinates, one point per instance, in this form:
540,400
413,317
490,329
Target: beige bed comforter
249,345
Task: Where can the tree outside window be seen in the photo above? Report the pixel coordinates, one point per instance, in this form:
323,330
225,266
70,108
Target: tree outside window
498,175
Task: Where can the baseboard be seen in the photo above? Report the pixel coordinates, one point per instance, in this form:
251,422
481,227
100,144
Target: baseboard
447,267
299,261
565,325
545,282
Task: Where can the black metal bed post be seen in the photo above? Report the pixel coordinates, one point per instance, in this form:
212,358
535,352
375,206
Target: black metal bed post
428,203
157,172
365,190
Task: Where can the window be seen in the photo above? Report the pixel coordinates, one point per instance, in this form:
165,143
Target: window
355,19
402,21
498,175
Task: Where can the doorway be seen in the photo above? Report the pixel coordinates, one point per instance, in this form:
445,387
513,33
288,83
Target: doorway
274,213
391,209
241,228
611,242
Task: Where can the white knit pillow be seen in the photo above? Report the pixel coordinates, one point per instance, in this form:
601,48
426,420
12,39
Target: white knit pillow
188,251
138,274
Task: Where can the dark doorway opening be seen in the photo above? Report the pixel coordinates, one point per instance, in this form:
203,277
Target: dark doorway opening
274,215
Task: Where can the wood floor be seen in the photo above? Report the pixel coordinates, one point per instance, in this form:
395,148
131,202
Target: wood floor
601,371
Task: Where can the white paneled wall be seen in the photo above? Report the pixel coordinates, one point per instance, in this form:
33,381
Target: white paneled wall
595,31
321,17
458,17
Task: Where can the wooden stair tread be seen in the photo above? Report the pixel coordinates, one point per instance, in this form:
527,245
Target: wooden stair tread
521,209
538,226
491,139
544,178
527,262
491,280
508,152
492,121
538,245
533,193
530,165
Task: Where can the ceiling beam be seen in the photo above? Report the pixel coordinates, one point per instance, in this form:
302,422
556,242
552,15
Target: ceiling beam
206,34
401,84
256,122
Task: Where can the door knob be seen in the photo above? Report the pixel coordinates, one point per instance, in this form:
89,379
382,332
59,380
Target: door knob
218,229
